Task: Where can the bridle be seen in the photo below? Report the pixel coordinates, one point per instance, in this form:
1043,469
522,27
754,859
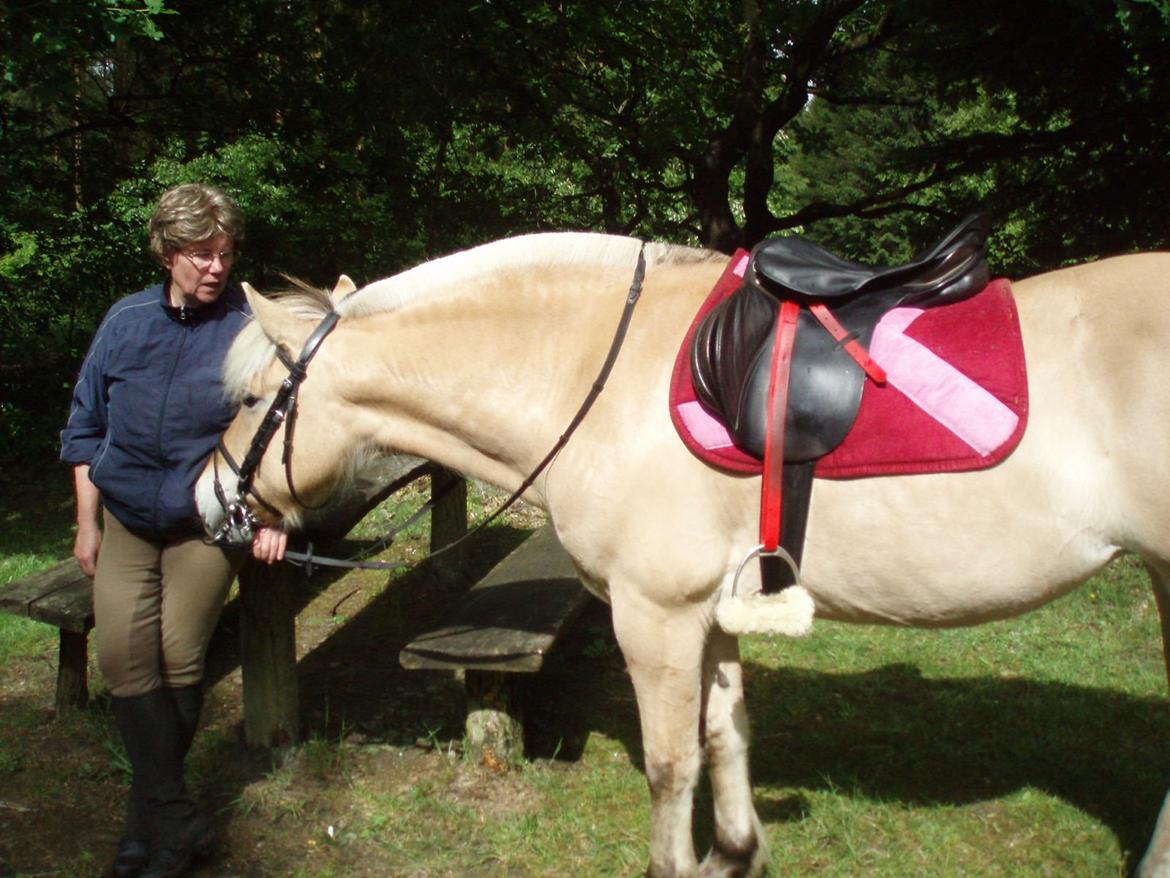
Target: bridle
241,519
237,516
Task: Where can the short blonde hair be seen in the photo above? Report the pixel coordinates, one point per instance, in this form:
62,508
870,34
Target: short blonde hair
191,213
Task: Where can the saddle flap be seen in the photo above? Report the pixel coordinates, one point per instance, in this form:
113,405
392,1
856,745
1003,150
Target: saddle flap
730,359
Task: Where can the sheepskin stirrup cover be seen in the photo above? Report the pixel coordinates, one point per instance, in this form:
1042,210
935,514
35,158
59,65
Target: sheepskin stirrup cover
788,613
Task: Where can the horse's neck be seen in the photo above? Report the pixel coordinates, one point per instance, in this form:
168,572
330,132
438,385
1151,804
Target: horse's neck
484,382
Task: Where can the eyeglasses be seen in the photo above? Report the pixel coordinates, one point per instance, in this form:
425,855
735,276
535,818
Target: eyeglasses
204,259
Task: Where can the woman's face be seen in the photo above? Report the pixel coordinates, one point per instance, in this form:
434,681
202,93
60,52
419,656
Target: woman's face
200,271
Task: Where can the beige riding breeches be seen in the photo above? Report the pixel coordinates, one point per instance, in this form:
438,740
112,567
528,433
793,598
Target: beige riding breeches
156,605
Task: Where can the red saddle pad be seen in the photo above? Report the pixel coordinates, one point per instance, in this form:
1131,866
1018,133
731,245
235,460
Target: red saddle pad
956,397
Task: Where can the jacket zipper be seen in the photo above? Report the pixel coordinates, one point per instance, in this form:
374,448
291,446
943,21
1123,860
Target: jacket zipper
164,404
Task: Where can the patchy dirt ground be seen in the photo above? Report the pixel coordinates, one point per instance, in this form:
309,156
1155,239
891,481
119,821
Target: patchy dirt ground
374,739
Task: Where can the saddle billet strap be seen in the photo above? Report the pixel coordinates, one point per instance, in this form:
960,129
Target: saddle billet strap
771,501
848,341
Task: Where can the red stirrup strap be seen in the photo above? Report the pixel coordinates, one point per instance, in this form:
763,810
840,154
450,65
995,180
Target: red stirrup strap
771,501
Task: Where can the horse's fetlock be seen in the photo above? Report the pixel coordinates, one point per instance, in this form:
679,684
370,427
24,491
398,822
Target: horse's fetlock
671,871
733,859
738,851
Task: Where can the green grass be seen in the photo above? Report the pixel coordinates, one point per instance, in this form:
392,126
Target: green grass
36,518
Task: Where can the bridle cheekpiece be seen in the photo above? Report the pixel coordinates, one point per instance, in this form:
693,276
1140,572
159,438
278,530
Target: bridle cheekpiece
238,518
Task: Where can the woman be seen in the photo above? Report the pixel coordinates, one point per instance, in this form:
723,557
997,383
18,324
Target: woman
147,411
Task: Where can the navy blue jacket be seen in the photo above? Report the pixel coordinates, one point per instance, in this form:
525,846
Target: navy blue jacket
149,406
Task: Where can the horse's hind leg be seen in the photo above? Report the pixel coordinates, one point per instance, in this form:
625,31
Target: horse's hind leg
1156,862
739,848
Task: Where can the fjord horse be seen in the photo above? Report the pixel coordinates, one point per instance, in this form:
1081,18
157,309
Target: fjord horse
479,360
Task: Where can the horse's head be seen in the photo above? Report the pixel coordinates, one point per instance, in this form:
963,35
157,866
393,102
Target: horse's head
267,469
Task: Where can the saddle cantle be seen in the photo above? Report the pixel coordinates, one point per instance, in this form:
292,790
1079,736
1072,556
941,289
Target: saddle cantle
733,347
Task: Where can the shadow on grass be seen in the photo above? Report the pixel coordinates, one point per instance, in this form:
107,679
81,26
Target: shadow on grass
889,734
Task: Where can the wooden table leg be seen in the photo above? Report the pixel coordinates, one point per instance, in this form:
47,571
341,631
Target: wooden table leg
72,672
268,656
448,522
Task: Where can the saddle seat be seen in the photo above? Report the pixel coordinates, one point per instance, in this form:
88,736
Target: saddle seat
732,351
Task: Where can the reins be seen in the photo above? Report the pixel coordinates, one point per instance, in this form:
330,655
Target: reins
272,420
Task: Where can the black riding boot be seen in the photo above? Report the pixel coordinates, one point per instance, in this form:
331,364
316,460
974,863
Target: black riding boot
156,743
188,702
134,848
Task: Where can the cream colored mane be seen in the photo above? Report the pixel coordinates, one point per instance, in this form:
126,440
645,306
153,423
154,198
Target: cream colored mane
525,253
448,276
252,351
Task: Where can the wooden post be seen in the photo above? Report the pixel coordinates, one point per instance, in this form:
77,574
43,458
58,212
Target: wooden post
495,722
268,655
448,521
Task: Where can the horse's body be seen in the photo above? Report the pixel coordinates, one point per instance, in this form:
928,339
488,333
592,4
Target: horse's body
485,359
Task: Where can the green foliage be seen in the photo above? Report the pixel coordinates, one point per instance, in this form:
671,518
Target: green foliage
363,138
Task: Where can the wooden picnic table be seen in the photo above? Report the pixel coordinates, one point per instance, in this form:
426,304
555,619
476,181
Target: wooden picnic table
498,635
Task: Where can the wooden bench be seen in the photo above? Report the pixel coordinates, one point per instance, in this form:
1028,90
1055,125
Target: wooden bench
61,596
505,628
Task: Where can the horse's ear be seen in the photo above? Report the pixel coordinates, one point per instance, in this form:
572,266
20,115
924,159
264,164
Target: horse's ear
279,323
344,287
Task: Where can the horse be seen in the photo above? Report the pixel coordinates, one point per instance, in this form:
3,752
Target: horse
478,360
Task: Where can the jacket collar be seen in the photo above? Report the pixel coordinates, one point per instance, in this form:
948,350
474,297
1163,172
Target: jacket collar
191,316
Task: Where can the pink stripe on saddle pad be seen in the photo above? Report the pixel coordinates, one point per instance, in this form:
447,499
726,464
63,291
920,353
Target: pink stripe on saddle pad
938,388
704,429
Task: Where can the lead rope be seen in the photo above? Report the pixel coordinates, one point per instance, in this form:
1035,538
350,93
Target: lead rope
308,559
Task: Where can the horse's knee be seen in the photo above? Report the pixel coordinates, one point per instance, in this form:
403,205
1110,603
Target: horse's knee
672,778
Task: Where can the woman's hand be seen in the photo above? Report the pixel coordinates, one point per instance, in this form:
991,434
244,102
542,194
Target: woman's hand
86,547
89,532
269,544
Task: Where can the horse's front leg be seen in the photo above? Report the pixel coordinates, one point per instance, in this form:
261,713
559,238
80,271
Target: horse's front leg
663,649
739,848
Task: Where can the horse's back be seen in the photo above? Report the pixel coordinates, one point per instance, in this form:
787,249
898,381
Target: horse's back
1106,282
